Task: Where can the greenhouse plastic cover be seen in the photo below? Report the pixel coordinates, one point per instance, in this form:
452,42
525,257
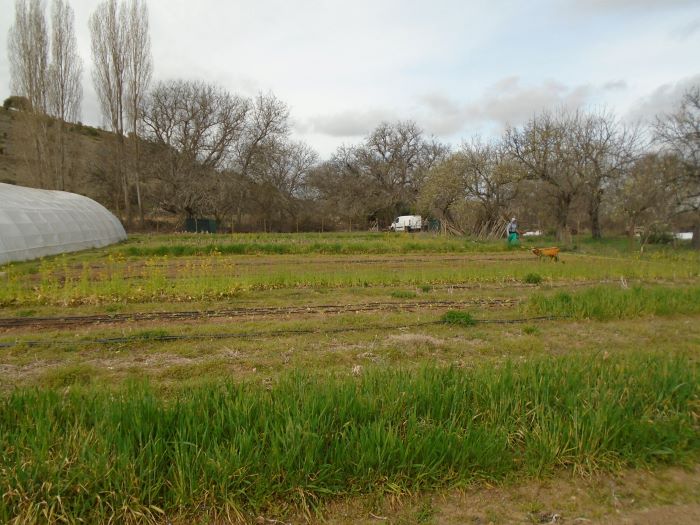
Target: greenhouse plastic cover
34,223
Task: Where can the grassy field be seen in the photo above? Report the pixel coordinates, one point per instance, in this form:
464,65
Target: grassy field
223,378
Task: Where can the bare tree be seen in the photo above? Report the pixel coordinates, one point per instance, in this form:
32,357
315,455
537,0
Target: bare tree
266,122
28,45
138,77
64,83
194,127
397,157
281,182
385,172
546,150
606,148
491,179
342,192
443,191
679,133
108,31
477,183
28,53
642,196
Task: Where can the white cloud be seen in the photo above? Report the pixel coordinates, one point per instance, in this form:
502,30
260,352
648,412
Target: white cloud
508,101
453,66
662,100
350,123
615,85
609,5
687,30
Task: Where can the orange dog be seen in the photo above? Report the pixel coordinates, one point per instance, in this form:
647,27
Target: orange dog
552,253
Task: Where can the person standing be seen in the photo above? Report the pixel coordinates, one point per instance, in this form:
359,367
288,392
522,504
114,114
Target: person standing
512,232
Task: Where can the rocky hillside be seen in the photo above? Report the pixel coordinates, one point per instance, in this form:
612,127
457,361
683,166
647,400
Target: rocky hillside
87,157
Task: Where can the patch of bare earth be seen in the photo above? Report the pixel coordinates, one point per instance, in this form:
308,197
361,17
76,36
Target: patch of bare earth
410,338
665,496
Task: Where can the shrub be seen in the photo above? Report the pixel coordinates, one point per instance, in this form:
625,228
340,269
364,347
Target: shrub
660,237
17,102
458,318
532,278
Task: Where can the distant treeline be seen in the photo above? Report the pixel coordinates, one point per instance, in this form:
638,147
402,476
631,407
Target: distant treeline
177,149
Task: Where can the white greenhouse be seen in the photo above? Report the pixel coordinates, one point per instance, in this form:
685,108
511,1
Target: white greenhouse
34,223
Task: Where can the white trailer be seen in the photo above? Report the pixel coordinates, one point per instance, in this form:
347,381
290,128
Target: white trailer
407,223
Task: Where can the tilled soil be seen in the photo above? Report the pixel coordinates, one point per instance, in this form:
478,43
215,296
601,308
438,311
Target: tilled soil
248,312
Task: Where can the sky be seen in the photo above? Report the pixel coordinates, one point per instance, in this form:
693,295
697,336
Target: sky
458,68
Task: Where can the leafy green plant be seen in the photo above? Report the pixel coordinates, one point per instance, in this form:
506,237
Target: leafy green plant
532,278
458,318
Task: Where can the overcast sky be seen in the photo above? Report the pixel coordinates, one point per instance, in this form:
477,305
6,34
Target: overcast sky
457,67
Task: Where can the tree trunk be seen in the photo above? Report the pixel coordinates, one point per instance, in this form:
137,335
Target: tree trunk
562,217
696,234
124,177
594,215
62,146
137,180
138,198
40,145
137,171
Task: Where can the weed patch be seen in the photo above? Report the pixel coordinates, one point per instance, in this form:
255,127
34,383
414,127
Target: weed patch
68,376
532,278
457,317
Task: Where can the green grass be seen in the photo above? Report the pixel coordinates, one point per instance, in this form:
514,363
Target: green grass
72,375
458,318
72,280
404,294
607,302
130,456
190,268
301,244
226,428
532,278
530,330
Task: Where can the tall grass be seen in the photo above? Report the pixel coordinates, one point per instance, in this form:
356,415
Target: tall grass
328,246
239,449
607,302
